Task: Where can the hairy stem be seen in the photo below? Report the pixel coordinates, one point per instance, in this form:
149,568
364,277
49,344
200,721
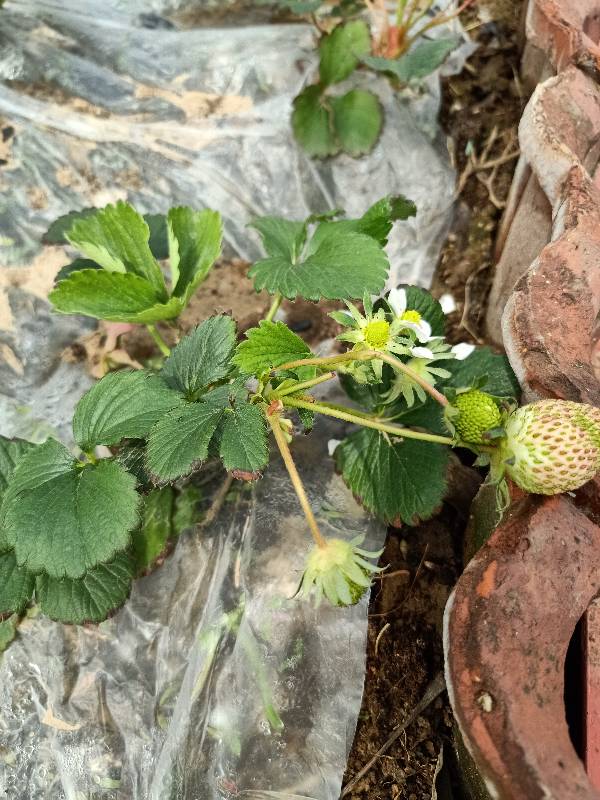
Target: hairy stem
327,361
414,376
273,420
348,416
158,340
299,387
277,298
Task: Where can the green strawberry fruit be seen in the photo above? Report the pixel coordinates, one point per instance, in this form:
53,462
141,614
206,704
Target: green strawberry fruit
478,413
552,446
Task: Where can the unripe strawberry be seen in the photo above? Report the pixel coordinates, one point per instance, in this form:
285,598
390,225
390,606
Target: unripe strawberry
553,446
478,413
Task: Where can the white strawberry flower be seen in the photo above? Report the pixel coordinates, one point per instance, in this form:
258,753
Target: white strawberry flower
410,318
462,350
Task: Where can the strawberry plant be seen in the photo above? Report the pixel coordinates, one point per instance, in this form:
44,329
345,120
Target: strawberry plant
326,121
76,529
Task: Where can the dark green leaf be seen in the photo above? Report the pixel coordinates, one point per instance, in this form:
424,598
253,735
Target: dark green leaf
112,296
357,121
342,265
194,245
179,442
159,240
428,415
312,123
11,450
420,300
341,51
88,599
16,585
8,628
151,538
187,512
396,480
281,237
56,233
244,440
123,405
501,380
132,456
377,222
420,62
268,347
116,237
64,519
74,266
202,357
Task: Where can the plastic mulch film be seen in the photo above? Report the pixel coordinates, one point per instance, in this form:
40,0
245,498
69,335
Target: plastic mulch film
211,683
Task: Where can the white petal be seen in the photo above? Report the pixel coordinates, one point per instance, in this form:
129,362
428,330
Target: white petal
463,350
447,303
397,301
332,444
423,331
421,352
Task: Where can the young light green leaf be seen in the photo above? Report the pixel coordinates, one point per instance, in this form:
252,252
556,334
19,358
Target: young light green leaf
195,239
64,519
341,51
341,266
179,442
312,123
75,266
91,598
116,237
123,405
56,233
268,347
11,450
501,380
151,538
16,585
202,357
357,121
244,446
399,481
420,62
281,237
112,296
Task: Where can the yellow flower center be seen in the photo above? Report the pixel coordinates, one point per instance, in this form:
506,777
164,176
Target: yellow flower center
377,333
411,316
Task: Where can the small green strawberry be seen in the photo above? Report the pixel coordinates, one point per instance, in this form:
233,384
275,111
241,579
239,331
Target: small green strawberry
552,446
478,413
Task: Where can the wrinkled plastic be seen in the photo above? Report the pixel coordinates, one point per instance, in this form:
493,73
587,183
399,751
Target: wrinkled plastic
210,682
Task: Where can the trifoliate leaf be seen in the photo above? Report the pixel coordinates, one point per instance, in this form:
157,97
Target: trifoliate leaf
56,233
11,450
159,241
16,585
341,51
156,528
340,266
202,357
62,518
420,62
312,123
179,442
500,381
396,480
195,239
187,511
420,300
74,266
123,405
268,347
244,447
112,296
88,599
281,237
357,121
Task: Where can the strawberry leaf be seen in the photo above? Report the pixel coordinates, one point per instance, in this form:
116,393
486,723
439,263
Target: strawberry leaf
341,51
357,121
268,347
195,239
244,445
500,380
123,405
16,585
113,296
64,518
312,123
88,599
202,357
399,481
11,451
156,528
418,63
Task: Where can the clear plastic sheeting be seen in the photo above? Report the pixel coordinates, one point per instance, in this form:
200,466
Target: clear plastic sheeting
211,682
